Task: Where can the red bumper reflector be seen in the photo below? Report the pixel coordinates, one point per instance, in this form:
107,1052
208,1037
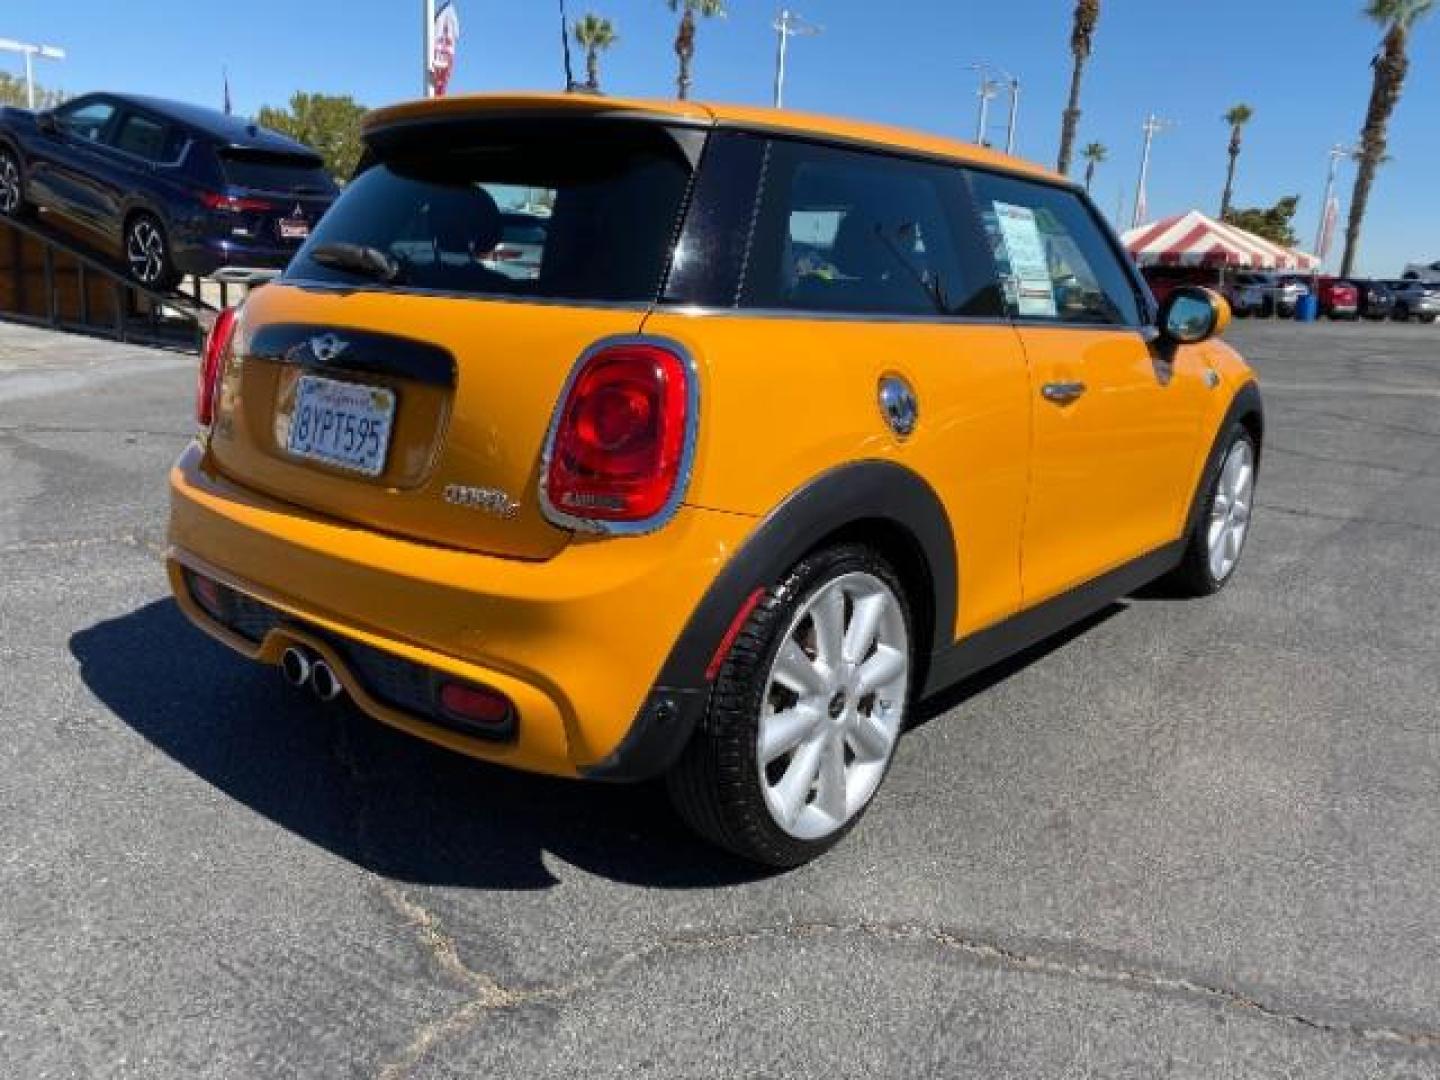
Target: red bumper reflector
736,625
476,704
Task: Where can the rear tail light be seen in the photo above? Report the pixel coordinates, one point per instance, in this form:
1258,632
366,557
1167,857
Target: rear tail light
212,362
620,446
233,204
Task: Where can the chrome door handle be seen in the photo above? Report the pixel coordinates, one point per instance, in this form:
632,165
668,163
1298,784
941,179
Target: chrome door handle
1062,393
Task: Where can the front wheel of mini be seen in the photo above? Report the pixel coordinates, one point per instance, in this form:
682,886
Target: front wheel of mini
1218,536
805,713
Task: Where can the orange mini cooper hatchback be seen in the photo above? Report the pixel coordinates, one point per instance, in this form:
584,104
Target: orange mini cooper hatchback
796,422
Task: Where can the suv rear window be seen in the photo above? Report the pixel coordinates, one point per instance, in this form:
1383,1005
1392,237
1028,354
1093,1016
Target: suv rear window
604,201
265,170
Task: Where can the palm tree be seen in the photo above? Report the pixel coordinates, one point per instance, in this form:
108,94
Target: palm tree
685,35
1391,64
1094,155
1082,37
1237,118
595,35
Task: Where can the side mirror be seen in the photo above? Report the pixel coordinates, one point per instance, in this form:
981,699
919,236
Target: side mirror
46,122
1191,315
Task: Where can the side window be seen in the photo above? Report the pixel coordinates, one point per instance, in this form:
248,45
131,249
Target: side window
850,231
1055,262
146,138
86,121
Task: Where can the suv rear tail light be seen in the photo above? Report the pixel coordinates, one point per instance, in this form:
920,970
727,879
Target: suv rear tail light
620,446
212,362
233,204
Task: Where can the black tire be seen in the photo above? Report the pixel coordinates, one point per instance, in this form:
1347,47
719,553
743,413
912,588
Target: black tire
1401,313
1193,577
1427,319
716,784
146,248
12,185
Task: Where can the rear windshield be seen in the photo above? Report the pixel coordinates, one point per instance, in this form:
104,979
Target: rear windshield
265,171
600,201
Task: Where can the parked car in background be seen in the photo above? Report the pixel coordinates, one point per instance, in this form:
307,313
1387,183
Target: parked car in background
1429,272
1375,298
677,506
1265,293
522,242
176,189
1163,280
1339,299
1415,300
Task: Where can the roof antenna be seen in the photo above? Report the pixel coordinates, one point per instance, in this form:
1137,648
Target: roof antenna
565,44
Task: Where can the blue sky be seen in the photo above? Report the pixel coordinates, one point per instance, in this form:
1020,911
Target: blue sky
1307,75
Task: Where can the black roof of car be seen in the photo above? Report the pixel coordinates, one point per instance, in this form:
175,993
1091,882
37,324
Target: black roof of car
234,131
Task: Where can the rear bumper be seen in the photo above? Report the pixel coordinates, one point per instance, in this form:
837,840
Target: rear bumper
575,642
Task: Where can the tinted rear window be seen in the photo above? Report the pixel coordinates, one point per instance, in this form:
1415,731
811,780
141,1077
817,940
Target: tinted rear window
601,200
264,171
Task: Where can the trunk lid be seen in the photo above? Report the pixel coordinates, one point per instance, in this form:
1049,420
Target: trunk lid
411,390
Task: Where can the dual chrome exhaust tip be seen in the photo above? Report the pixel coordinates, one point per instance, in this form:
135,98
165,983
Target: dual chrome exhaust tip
302,669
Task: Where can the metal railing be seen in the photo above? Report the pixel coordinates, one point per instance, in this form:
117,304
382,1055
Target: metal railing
49,278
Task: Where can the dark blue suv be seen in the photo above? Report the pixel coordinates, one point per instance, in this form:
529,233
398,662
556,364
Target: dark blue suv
176,188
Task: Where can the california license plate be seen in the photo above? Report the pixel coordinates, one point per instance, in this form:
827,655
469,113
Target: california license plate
342,424
294,228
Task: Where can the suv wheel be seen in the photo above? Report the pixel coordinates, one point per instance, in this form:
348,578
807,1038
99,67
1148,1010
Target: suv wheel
12,191
805,713
147,253
1221,529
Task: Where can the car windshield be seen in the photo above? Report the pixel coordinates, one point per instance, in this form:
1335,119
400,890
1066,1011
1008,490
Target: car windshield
601,201
259,170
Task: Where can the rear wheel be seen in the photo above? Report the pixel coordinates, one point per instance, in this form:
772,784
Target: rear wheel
1218,538
12,190
805,714
1427,319
147,253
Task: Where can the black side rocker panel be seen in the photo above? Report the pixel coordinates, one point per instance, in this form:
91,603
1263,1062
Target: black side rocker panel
877,491
846,496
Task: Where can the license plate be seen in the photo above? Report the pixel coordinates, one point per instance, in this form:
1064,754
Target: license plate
342,424
294,228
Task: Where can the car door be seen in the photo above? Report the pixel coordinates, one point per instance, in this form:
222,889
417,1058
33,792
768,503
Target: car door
858,270
71,159
1115,418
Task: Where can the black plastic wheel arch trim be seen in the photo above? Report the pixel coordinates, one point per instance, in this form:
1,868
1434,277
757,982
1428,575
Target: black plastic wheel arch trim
843,498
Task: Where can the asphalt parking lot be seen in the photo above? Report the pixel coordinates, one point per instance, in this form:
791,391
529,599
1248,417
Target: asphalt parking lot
1190,840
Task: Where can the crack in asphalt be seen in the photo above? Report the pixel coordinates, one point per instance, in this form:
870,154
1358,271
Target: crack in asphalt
128,539
494,997
51,429
1346,519
488,995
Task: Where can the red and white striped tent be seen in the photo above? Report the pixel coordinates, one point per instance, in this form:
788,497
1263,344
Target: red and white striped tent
1196,240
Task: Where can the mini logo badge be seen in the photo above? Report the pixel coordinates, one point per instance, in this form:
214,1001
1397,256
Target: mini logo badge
327,347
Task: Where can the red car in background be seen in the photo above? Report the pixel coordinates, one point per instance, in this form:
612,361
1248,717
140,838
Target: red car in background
1338,299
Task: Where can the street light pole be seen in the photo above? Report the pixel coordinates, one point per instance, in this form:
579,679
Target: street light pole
45,52
1153,126
1014,114
985,93
787,25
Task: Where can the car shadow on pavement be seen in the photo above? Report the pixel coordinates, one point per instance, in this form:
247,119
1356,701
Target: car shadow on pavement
383,800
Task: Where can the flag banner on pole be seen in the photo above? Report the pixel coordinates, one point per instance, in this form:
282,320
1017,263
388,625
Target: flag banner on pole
1327,228
442,55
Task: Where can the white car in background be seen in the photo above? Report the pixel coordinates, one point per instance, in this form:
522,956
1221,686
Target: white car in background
1426,272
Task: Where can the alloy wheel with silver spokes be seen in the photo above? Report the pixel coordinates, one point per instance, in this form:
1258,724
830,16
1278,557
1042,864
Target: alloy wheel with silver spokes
10,194
145,251
833,705
1230,510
